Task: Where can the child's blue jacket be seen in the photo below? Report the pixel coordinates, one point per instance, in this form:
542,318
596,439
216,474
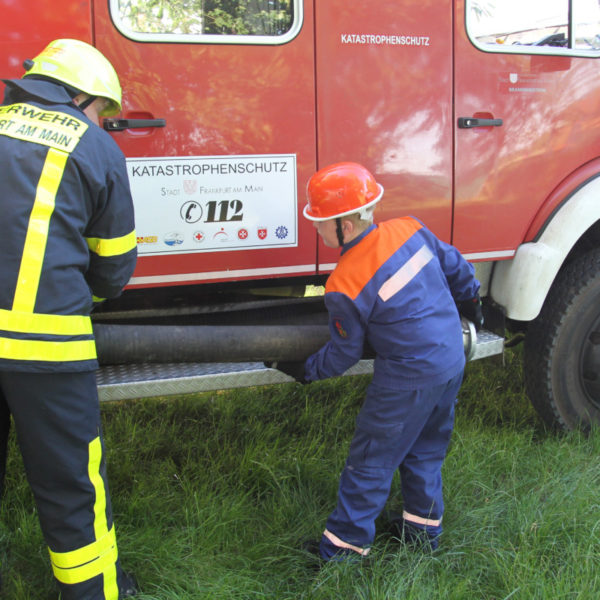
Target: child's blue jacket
396,285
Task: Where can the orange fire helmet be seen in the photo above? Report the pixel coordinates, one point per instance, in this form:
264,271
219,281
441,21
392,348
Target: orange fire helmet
341,189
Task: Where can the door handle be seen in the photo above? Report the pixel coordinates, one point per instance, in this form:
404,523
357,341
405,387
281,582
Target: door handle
470,122
121,124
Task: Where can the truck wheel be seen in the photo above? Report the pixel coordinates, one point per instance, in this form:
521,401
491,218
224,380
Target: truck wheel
562,348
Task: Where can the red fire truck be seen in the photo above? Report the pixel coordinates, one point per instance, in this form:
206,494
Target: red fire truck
480,118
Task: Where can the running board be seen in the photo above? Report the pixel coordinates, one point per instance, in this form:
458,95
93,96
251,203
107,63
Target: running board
123,382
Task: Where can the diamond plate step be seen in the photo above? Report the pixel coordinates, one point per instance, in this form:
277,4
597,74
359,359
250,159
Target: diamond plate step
488,344
122,382
480,344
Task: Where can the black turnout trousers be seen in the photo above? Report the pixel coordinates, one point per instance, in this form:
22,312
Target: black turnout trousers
57,422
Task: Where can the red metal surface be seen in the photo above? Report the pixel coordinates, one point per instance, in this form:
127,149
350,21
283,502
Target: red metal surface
387,103
29,26
562,192
380,83
504,175
220,100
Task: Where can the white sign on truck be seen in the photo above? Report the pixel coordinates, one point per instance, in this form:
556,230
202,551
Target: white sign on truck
212,203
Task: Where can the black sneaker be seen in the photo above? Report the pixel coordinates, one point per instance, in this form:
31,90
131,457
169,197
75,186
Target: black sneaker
412,537
128,586
311,547
395,529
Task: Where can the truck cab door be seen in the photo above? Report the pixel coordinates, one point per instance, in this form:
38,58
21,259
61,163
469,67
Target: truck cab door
218,129
384,99
526,79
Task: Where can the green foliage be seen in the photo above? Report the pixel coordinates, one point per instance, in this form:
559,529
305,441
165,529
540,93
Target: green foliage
220,17
247,17
214,493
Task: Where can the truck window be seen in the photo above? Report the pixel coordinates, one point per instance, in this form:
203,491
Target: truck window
564,27
208,21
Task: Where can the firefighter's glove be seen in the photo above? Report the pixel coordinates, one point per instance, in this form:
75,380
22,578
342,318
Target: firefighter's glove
471,309
294,369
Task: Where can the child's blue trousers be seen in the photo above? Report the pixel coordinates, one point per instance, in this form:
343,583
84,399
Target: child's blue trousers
407,430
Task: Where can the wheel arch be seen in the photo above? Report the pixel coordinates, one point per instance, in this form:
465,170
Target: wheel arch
520,285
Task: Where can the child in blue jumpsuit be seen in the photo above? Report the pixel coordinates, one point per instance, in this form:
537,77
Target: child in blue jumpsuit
397,287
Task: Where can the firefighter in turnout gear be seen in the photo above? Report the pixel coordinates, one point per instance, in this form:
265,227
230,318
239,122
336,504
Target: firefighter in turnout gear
67,242
397,287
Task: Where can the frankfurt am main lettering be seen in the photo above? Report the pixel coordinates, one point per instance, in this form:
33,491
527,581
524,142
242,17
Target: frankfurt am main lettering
29,123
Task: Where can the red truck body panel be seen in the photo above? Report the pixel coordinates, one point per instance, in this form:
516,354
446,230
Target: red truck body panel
505,175
219,190
29,25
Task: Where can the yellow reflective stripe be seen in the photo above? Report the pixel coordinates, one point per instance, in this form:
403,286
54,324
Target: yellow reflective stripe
11,320
49,351
111,590
75,558
112,246
336,541
100,524
420,520
37,231
99,557
92,569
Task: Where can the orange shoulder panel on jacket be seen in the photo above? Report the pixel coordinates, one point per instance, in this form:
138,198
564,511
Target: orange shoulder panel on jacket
357,266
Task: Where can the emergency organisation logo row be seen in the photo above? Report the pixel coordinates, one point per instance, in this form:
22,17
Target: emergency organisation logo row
175,238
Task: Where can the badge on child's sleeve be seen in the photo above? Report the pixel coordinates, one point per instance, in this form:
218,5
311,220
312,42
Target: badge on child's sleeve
339,327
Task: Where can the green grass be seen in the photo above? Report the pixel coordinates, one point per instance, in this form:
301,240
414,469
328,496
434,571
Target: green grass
214,493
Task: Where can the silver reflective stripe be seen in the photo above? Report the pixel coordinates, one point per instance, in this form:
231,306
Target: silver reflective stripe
336,541
405,273
420,520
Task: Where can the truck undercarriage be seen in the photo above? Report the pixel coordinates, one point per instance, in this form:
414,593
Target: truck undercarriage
178,346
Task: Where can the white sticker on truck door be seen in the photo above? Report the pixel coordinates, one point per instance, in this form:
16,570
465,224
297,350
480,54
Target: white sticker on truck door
214,203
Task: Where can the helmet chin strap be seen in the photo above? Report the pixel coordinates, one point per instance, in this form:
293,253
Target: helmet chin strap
83,105
339,232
